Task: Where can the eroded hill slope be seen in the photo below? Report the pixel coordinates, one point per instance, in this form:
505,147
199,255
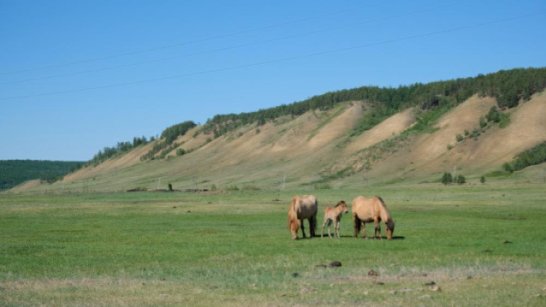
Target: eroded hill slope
319,147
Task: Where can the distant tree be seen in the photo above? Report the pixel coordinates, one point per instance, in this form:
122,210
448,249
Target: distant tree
460,179
483,122
508,167
475,134
171,133
459,137
493,115
482,179
508,87
533,156
447,178
14,172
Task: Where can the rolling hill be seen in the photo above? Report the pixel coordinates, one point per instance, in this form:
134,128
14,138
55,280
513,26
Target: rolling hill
346,138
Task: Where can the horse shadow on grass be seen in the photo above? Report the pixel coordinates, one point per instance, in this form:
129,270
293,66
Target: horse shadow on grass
368,238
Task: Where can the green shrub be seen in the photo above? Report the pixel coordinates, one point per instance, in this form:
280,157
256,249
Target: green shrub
180,152
232,188
475,134
460,179
447,178
533,156
496,116
483,122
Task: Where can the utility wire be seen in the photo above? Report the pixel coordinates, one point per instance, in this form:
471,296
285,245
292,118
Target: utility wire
319,31
176,45
285,59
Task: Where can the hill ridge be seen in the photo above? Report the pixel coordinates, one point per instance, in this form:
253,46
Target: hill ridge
340,144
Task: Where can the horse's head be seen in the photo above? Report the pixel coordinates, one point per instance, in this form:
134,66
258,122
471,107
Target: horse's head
293,222
390,228
342,206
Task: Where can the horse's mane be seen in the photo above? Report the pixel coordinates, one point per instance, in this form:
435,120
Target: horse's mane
386,210
292,208
339,204
382,201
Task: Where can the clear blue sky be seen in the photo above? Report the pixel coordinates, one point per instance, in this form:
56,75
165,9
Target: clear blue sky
76,76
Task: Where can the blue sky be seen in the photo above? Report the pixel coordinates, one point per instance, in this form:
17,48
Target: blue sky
76,76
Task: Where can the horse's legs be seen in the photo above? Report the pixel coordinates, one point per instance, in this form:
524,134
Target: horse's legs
323,224
356,225
336,228
327,223
313,225
377,228
364,230
302,228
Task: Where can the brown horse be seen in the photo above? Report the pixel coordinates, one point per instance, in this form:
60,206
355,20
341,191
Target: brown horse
374,210
302,207
334,215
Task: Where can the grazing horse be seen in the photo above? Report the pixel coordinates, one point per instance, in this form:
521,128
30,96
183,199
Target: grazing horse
302,207
334,215
374,210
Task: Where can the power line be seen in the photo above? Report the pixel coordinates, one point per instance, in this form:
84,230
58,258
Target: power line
176,45
285,59
324,30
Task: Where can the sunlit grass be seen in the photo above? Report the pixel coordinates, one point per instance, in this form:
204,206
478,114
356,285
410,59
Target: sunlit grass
480,245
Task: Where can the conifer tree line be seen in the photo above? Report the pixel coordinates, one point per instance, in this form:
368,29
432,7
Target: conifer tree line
168,136
121,147
509,87
14,172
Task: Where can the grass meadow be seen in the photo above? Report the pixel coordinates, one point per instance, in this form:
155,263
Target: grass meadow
480,245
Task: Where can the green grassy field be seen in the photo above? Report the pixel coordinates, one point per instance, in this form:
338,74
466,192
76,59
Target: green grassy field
458,245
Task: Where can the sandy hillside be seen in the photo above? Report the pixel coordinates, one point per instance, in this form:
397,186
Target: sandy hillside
337,127
25,186
190,141
429,153
293,135
316,145
465,116
498,145
126,160
384,130
423,154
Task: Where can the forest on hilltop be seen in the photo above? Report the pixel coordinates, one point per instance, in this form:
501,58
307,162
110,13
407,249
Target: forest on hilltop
14,172
509,87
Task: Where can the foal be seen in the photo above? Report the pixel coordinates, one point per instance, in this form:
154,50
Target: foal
334,215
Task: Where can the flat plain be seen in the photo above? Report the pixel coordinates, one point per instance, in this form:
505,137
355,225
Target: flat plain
471,245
